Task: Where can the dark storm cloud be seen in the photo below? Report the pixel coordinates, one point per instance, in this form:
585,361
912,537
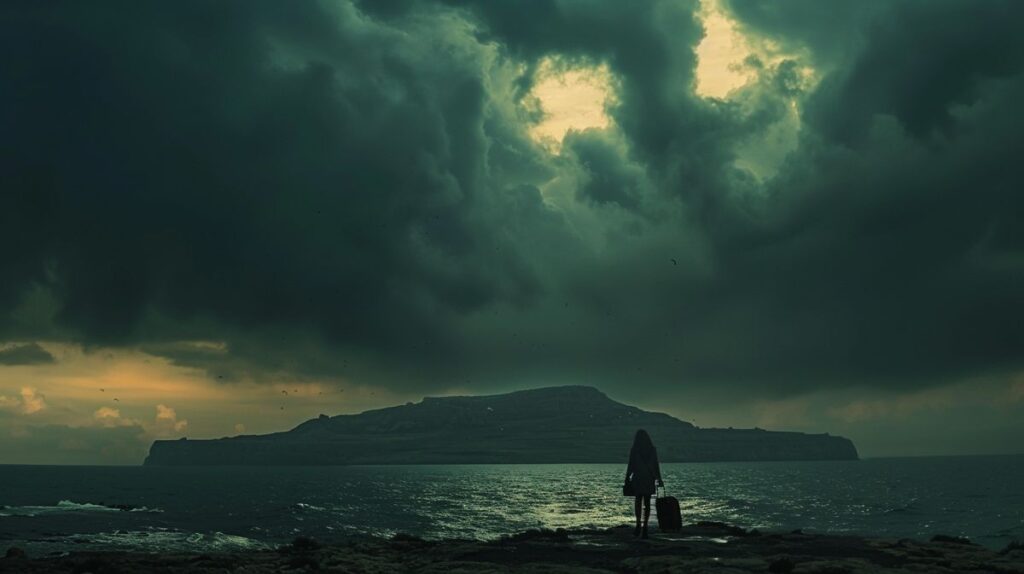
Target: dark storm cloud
921,77
878,258
610,178
344,190
26,354
245,162
834,31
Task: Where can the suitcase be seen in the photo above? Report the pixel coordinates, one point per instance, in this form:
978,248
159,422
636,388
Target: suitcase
669,517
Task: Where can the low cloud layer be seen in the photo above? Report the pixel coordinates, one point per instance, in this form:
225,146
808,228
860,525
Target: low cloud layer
28,401
350,191
24,354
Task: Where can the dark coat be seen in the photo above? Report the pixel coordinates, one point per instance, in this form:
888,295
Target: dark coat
643,472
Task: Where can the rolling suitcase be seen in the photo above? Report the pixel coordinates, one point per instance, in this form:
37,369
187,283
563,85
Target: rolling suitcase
669,517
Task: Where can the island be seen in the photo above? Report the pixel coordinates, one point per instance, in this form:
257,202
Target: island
567,424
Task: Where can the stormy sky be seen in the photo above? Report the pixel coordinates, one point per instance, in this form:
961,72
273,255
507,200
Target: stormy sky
233,216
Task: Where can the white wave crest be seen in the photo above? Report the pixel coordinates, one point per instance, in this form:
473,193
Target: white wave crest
71,506
156,540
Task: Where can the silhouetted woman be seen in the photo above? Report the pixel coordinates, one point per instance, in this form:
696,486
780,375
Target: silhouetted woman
643,471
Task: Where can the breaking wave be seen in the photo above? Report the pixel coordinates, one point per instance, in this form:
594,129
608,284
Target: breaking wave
163,540
71,506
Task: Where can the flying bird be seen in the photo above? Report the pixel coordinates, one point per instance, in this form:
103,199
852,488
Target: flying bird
284,392
674,262
115,400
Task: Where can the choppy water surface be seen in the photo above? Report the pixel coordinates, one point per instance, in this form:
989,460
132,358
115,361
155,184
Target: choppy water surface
53,509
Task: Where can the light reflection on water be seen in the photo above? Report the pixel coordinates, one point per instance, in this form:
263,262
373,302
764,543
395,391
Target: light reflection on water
971,496
894,497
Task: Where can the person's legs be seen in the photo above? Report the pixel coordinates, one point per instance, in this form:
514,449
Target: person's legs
636,511
647,513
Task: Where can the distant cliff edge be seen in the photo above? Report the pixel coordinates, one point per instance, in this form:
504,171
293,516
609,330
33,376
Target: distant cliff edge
549,425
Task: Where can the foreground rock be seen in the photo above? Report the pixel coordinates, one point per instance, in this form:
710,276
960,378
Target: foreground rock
550,425
703,547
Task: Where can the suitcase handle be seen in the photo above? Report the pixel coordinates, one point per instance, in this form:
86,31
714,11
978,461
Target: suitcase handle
656,495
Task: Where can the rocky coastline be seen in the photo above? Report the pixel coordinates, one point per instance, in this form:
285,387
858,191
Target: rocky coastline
702,547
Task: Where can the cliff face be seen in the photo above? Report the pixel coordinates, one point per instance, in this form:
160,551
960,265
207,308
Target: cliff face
550,425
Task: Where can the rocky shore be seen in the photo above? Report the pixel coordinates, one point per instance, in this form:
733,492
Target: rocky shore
702,547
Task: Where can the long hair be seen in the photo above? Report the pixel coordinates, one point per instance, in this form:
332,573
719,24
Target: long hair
642,444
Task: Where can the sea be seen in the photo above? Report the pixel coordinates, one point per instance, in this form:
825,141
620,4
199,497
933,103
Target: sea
56,509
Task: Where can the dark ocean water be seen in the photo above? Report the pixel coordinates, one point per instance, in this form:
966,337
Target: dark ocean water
54,509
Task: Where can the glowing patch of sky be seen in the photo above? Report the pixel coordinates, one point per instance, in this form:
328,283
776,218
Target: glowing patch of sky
570,99
720,54
722,69
111,387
